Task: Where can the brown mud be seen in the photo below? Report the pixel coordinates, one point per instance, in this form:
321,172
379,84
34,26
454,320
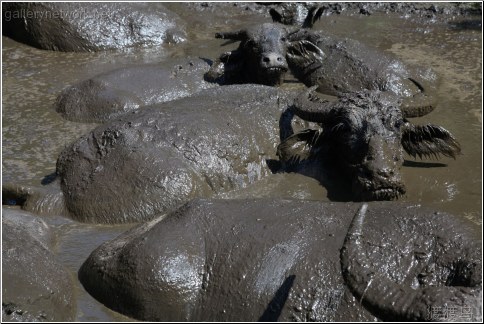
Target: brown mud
33,134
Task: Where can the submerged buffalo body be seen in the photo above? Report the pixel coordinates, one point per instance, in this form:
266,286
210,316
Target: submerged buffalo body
269,260
365,133
87,27
35,286
264,55
335,65
338,66
153,160
109,95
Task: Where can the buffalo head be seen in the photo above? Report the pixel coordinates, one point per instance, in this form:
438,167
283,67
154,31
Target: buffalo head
366,133
260,57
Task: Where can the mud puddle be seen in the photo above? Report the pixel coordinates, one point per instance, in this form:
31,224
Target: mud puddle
34,134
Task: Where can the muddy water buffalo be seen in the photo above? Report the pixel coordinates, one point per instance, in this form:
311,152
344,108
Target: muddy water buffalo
86,27
365,133
260,57
35,286
336,65
153,160
111,94
348,65
265,53
269,260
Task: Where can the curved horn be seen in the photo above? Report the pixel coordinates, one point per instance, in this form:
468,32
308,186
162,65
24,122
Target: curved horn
314,14
311,108
415,107
419,105
235,36
275,15
393,302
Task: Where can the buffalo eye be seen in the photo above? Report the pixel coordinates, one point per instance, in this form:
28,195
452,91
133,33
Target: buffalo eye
340,127
398,123
283,38
251,43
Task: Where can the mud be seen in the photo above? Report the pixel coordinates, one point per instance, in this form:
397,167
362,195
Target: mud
450,43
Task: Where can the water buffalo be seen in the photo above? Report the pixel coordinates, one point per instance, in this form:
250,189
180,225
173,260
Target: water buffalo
35,286
289,260
151,161
365,133
264,55
111,94
260,57
87,27
336,65
348,65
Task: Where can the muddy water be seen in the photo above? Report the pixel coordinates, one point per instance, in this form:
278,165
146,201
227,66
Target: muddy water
33,134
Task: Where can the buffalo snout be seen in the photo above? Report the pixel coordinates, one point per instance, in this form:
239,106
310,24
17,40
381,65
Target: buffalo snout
378,175
274,60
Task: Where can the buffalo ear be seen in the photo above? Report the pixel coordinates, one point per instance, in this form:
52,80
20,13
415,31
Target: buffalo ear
298,147
303,53
225,68
216,72
429,140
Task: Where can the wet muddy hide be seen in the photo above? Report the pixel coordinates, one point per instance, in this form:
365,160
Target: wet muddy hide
112,94
364,134
156,159
335,65
35,287
340,65
289,260
87,27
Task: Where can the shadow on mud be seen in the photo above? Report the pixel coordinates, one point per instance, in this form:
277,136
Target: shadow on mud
321,168
48,179
274,309
471,24
326,172
421,164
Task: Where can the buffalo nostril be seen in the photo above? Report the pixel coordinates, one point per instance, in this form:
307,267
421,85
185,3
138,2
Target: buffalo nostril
273,60
386,173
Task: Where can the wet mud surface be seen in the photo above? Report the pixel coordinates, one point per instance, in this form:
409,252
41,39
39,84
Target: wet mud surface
33,134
